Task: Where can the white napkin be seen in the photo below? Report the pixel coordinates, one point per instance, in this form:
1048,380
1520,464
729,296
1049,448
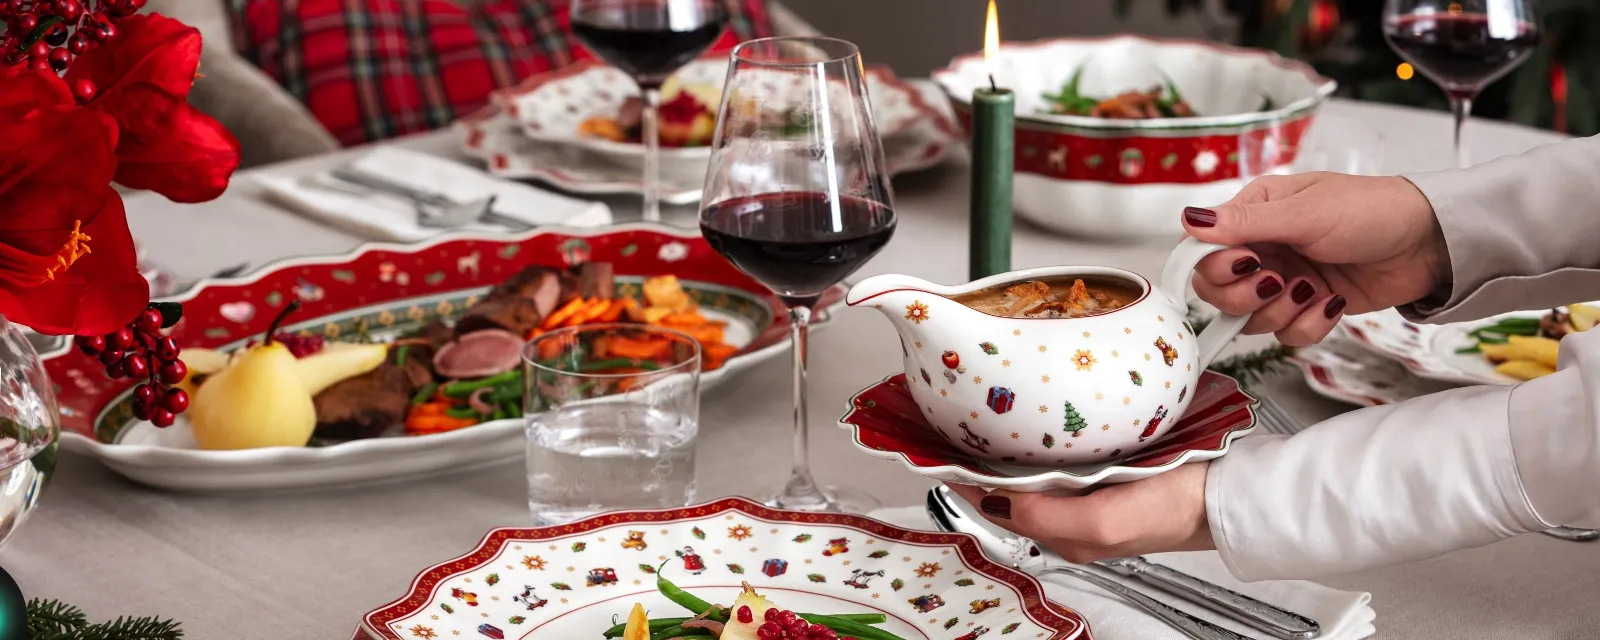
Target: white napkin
1343,615
389,218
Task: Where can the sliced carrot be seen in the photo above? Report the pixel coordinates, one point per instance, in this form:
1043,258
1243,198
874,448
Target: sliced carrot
422,424
591,310
718,350
621,347
705,334
560,315
614,311
683,318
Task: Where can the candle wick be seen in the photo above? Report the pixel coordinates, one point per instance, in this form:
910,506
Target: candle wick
992,85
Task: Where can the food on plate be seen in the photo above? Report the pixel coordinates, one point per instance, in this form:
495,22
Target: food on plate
750,617
1526,348
1054,298
1159,102
440,377
688,117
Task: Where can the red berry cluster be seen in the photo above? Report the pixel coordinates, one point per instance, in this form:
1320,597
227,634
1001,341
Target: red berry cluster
140,351
787,626
48,34
299,346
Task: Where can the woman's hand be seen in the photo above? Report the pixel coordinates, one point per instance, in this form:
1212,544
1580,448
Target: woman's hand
1315,246
1163,513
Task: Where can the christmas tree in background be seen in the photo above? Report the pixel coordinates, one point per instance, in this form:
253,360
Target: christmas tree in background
1075,422
1558,87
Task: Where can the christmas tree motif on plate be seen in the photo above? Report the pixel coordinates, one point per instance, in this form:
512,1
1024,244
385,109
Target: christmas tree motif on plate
1049,441
989,348
1138,380
1075,422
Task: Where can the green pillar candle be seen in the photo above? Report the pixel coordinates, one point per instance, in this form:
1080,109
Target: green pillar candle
993,136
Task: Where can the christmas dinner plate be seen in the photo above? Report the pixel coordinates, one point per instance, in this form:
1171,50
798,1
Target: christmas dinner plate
383,290
1340,369
577,580
887,423
1429,350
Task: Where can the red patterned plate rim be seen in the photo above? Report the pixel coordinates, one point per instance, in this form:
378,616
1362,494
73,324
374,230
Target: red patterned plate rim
1325,86
85,398
1067,623
1151,460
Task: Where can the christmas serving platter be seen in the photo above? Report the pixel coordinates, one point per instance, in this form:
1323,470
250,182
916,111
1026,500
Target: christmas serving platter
887,422
1340,369
384,290
578,580
1431,351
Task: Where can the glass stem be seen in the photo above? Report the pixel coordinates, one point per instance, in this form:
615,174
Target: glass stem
650,121
1461,108
801,491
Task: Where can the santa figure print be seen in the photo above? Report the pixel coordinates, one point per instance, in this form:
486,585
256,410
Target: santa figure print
1154,423
691,561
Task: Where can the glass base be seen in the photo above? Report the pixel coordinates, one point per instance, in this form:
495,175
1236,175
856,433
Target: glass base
826,499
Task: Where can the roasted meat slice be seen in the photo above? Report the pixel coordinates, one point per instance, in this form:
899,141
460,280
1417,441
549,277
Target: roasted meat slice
516,314
597,280
369,404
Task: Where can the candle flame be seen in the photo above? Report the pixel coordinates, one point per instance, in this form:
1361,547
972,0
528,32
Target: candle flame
991,38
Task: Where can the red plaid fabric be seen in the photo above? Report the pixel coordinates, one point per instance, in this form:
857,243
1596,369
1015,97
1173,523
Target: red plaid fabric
376,69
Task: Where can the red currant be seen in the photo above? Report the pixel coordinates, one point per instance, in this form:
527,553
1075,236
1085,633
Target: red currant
25,23
69,10
136,366
167,349
83,90
144,412
173,372
110,357
149,321
121,339
161,418
745,614
91,345
106,31
57,36
77,44
144,393
39,51
114,371
176,401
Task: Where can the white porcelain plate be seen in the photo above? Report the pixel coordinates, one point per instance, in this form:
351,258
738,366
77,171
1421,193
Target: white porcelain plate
1429,351
1340,369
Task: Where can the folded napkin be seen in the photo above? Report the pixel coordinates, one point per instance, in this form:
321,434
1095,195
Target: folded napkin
1343,615
379,216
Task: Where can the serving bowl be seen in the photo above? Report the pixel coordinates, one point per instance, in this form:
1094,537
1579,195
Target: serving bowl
1105,177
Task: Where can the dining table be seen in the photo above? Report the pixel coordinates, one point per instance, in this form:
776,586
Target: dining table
309,564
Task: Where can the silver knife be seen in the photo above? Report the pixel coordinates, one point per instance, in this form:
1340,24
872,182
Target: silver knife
1259,615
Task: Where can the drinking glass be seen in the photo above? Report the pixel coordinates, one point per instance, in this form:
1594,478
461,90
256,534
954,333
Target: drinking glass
1341,145
648,40
1462,45
29,426
797,197
608,432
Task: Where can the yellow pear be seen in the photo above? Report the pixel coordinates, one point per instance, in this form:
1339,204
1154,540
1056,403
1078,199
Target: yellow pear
259,401
638,625
338,361
746,615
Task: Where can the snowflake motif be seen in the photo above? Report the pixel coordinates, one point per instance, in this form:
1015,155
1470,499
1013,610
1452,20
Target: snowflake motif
1169,384
1015,435
1160,319
918,344
571,569
1146,357
1127,400
808,560
1086,334
1099,396
1097,449
1084,360
1042,349
673,252
716,552
1005,363
1045,379
423,632
636,582
1105,427
977,379
1016,332
739,532
846,562
916,312
1044,409
943,393
874,596
1067,446
1114,353
534,563
974,415
1205,162
1128,330
552,547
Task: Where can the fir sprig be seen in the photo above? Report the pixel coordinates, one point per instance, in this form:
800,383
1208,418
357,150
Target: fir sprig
1247,368
56,620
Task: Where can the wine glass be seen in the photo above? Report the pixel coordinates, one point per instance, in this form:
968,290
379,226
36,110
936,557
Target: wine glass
1462,45
648,40
797,197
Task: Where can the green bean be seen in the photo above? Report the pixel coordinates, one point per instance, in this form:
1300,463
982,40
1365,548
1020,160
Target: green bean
1466,350
463,413
506,393
679,632
854,629
512,409
499,414
400,355
464,388
424,393
683,598
617,363
1520,321
1492,340
658,624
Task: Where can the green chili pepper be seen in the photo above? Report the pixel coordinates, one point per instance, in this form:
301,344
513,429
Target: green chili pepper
464,388
424,393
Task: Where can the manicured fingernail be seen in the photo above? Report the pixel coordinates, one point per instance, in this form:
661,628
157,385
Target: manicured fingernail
1269,287
1198,217
1247,264
1302,292
996,506
1335,305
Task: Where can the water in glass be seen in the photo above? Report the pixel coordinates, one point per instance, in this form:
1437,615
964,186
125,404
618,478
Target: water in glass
590,458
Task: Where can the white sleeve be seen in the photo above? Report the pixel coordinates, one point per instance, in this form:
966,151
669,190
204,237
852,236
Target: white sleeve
1399,483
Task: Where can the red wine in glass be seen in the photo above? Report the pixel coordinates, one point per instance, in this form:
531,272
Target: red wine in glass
797,244
1462,45
1462,53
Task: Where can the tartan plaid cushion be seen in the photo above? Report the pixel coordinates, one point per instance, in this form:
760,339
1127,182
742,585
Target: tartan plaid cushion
376,69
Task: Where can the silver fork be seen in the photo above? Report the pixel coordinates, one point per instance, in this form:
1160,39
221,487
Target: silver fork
1277,421
433,210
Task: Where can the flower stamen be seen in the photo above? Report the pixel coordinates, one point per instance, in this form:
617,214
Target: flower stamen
68,254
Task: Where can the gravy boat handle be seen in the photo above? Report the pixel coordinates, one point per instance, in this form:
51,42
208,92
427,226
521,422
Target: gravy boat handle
1175,278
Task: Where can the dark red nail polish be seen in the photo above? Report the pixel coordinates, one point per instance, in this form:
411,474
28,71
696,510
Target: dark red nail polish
1302,292
1247,264
1335,305
1269,287
996,506
1197,217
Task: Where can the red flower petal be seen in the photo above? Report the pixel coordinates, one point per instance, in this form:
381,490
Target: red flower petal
27,90
99,293
148,49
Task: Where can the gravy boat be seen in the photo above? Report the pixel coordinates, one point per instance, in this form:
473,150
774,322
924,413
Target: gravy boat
1052,392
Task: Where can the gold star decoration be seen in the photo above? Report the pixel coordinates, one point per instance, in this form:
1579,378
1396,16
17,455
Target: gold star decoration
943,393
1045,379
1114,353
1069,445
517,547
1028,454
716,552
1146,357
1127,400
602,540
1188,367
1015,435
918,343
495,598
974,414
774,532
753,549
1097,449
977,379
1016,332
1105,427
1099,396
533,563
874,596
1042,349
846,562
1160,319
552,547
1086,334
1044,409
906,559
1127,330
563,601
1005,363
989,588
1084,359
808,560
1169,384
636,582
571,569
1135,422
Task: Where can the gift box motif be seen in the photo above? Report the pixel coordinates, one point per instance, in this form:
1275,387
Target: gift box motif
774,567
1001,399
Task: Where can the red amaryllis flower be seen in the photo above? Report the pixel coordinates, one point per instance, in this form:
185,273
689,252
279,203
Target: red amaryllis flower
67,263
142,79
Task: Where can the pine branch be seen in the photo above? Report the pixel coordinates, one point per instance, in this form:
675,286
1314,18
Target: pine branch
126,628
1247,368
51,619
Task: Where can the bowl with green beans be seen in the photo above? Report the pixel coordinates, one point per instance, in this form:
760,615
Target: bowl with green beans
714,571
